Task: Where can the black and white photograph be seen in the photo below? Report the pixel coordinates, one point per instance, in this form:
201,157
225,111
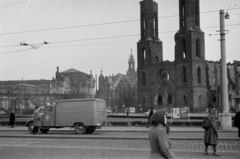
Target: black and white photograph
119,79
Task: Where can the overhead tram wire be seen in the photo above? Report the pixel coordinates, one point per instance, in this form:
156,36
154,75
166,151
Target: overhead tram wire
102,38
12,4
90,25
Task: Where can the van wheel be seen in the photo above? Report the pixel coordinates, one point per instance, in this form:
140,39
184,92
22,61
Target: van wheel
44,131
80,128
91,129
30,127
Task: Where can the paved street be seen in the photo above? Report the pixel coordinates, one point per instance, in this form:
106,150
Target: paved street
11,148
110,143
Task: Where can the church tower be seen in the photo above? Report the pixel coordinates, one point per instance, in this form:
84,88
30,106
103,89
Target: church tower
149,46
191,90
149,53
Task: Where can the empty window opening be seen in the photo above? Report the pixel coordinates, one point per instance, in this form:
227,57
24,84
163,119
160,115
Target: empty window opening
183,13
199,74
143,25
169,99
197,12
185,100
184,48
156,59
143,80
198,54
159,99
155,26
143,56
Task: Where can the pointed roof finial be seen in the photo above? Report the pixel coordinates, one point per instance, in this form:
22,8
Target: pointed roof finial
101,72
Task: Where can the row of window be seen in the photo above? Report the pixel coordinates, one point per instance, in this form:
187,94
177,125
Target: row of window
198,48
159,100
196,9
165,77
155,24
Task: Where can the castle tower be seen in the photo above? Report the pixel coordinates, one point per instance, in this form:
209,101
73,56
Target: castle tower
191,90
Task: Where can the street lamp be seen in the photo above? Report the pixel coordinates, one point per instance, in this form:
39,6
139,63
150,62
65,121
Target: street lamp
226,119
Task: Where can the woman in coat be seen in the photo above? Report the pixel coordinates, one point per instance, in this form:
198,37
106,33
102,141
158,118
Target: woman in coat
36,120
211,134
159,139
12,119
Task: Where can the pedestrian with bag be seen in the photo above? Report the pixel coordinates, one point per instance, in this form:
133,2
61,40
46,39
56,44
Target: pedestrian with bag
210,133
237,122
36,120
158,137
12,119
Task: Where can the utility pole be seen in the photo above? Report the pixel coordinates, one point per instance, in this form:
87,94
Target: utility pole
226,118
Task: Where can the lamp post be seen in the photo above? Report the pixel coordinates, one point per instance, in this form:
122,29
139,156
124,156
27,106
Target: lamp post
226,119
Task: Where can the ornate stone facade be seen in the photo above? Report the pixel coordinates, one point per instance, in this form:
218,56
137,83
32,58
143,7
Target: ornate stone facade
119,91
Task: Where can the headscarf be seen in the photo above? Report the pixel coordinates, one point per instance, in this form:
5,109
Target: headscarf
159,118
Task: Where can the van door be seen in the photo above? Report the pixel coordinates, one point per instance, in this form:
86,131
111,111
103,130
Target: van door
48,116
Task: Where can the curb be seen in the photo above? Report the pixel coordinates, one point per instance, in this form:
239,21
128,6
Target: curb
44,136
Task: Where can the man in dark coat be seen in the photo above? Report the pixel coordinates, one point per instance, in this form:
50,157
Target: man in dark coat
211,134
237,122
149,117
12,119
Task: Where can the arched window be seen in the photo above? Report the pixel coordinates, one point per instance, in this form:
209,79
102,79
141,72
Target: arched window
169,99
143,80
185,100
143,56
156,59
159,99
155,25
184,75
197,12
143,21
184,48
199,74
198,50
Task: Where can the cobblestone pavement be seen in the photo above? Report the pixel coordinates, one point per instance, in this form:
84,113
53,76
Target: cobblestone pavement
177,145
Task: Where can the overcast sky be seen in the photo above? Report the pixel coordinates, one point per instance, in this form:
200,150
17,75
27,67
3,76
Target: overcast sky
90,34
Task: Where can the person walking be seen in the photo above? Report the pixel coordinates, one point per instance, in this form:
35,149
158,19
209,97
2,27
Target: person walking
237,122
36,120
149,117
12,119
211,134
158,137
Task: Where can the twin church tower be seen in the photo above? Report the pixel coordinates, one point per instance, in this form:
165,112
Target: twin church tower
183,82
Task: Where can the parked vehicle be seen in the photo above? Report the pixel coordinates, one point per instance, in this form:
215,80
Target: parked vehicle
85,115
147,113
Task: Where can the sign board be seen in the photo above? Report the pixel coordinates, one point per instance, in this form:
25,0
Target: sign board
176,112
183,113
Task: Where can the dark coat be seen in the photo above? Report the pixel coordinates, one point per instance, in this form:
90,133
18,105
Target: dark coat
150,114
36,118
12,119
237,122
211,134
